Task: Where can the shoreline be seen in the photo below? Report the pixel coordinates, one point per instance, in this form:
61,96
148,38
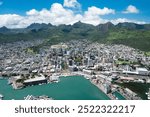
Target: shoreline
101,89
87,77
78,74
92,96
92,82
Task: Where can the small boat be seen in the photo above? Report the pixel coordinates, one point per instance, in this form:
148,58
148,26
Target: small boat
1,96
56,81
87,78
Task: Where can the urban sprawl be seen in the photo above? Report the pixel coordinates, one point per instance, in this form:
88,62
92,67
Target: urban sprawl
104,65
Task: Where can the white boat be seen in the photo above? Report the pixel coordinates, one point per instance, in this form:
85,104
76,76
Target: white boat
56,81
1,96
87,78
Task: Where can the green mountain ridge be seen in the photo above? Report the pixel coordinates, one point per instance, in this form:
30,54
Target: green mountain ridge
130,34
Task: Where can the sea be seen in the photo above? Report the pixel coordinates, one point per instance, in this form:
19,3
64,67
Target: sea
69,88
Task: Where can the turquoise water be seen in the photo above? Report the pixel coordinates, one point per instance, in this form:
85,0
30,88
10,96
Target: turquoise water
69,88
119,96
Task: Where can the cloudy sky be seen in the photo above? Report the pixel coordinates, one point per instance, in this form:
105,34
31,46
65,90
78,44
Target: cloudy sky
21,13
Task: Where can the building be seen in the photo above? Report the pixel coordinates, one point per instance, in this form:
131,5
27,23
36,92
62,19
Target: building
89,72
90,63
35,81
138,71
130,72
107,88
70,62
54,78
142,71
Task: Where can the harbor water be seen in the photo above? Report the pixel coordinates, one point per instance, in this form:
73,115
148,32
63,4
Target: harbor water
118,96
69,88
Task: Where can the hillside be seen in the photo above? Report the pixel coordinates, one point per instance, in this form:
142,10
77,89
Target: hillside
130,34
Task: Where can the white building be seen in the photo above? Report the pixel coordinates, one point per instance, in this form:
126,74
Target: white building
89,72
142,71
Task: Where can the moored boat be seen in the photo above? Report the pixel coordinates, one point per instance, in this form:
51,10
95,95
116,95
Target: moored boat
1,96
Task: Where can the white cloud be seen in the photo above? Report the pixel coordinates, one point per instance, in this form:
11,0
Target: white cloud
10,20
93,15
1,2
131,9
58,14
97,11
32,12
71,4
122,20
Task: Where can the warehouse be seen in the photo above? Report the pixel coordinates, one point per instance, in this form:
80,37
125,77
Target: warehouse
35,81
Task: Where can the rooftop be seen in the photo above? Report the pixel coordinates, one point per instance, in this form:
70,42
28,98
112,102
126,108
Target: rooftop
37,78
141,69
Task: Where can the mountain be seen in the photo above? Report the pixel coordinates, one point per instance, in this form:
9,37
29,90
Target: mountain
37,26
82,25
4,30
105,27
130,34
147,26
133,26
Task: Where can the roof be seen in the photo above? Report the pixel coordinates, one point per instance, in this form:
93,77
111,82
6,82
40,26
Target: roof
130,72
126,78
35,79
59,46
141,69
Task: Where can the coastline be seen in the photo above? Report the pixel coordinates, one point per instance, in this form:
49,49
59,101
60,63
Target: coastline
66,90
88,77
101,89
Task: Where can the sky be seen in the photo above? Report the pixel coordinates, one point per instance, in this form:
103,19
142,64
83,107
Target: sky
22,13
